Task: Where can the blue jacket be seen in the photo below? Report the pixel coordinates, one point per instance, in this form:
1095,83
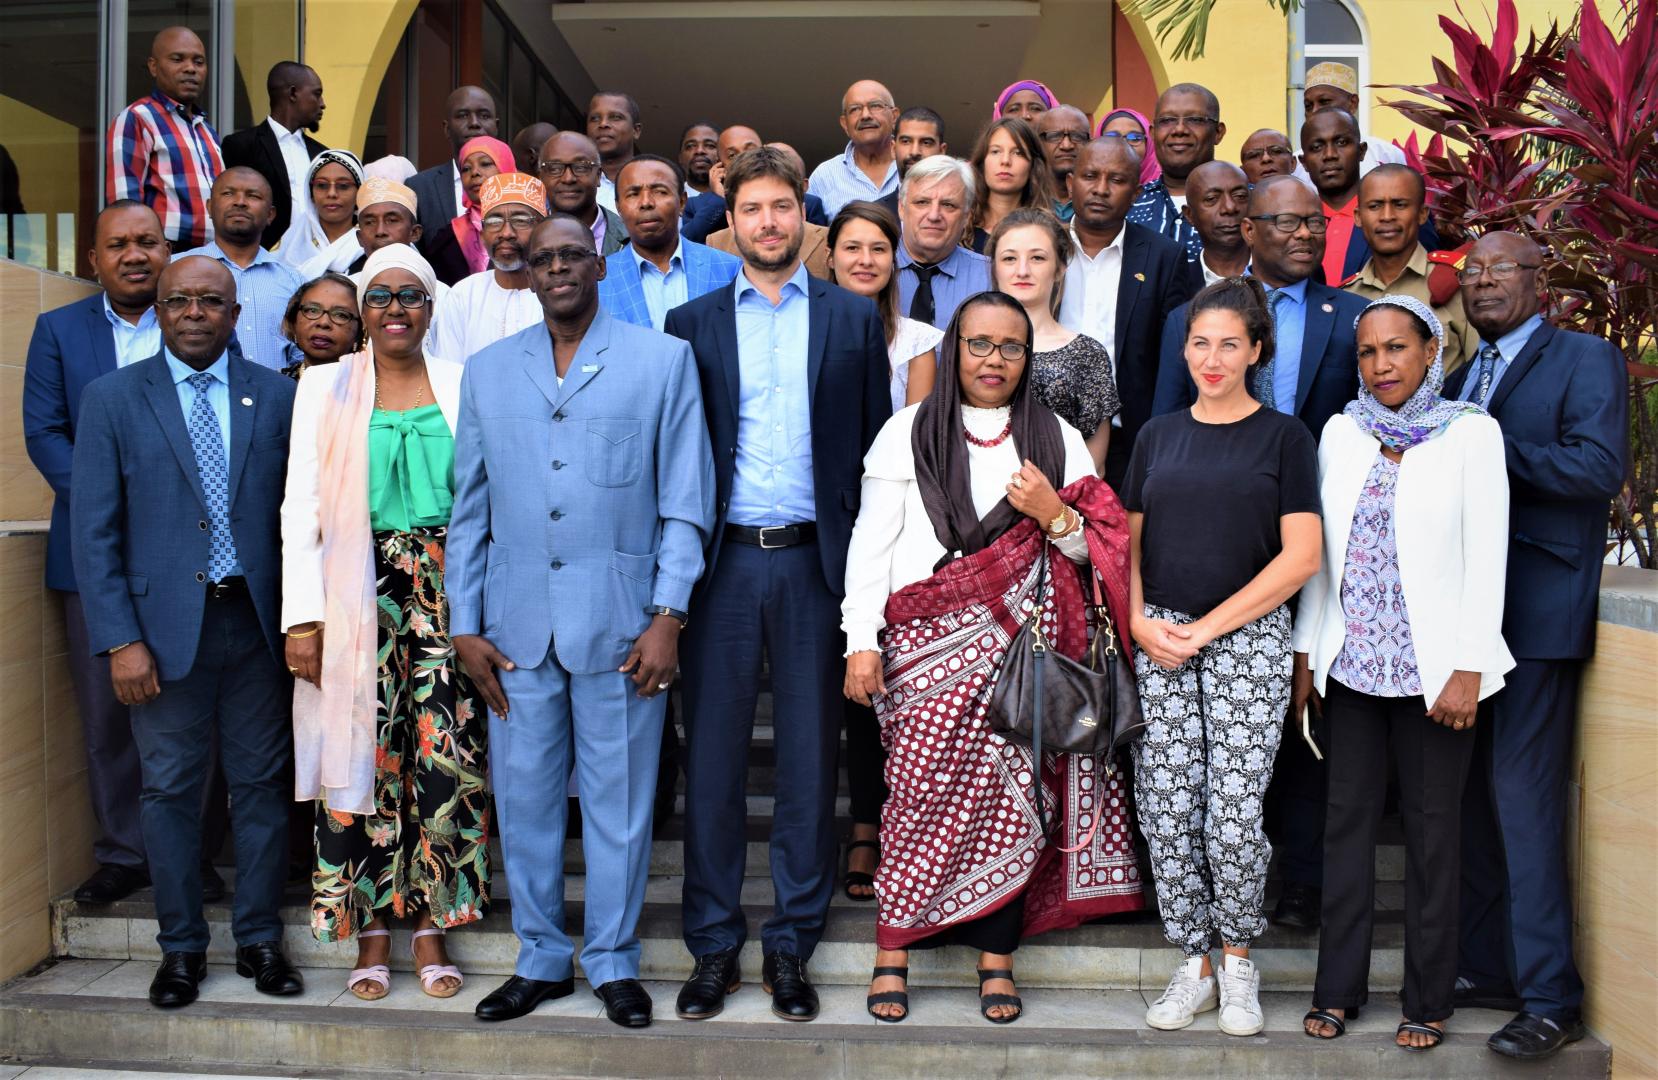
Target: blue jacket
577,506
704,215
139,517
1563,405
622,295
846,356
1329,373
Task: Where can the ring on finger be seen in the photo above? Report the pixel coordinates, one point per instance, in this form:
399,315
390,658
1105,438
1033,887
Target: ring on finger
663,685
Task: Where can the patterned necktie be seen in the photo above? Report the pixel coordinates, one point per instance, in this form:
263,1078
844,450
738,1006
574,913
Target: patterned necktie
921,304
1483,376
207,439
1265,393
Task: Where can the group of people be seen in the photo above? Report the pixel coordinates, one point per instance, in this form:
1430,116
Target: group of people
563,419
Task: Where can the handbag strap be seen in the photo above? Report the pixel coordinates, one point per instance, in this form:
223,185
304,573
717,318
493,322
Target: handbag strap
1039,646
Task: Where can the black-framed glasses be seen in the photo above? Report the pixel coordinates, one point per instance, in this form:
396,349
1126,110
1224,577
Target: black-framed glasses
569,256
1132,138
524,220
1501,271
408,296
1012,351
1196,123
339,316
177,304
1054,138
555,169
1291,223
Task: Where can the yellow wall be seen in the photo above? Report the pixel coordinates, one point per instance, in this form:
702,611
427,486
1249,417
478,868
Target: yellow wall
350,50
267,31
47,152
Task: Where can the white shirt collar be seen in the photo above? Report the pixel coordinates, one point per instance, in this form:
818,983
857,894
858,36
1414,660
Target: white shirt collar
281,132
1115,245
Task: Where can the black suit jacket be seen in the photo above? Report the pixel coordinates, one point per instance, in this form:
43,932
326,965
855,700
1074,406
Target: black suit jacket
846,356
1329,374
435,207
256,148
1156,279
1563,405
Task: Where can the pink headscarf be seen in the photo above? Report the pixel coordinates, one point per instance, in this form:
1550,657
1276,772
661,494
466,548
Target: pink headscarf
469,223
1150,169
1013,88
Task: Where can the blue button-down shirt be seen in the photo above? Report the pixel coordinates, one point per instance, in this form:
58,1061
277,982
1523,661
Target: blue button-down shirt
662,291
263,289
962,273
1154,208
773,482
133,342
1508,347
1290,330
218,396
838,181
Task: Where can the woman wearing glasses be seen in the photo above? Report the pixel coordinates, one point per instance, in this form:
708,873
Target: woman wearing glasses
1133,127
959,499
389,734
1012,174
323,235
322,320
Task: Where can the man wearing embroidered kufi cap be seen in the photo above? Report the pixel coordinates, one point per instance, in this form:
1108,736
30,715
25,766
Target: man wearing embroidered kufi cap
497,302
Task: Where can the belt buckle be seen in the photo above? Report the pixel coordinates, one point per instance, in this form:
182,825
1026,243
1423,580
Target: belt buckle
764,545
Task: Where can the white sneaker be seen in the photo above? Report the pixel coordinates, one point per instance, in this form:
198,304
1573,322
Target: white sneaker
1189,993
1240,997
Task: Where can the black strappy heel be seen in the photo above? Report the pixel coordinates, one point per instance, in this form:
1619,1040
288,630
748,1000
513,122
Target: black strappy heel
990,1001
858,877
900,998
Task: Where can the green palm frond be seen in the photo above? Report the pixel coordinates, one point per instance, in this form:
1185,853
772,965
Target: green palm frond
1189,17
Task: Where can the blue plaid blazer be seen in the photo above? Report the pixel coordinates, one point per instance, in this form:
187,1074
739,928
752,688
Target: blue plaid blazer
621,294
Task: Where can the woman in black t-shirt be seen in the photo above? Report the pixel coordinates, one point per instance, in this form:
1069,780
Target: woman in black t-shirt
1224,519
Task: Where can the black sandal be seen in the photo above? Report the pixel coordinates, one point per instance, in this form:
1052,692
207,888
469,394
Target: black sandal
1325,1016
858,877
889,997
1411,1027
990,1001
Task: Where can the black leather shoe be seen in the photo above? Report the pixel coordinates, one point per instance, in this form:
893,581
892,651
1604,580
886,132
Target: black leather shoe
270,971
111,883
703,995
176,980
625,1002
1471,996
1298,907
792,995
1530,1037
519,996
212,885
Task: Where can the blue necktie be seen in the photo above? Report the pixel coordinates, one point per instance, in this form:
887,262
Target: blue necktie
207,439
1482,378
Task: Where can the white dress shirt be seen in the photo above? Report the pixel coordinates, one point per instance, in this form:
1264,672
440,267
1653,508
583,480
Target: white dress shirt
295,158
607,192
477,313
1089,305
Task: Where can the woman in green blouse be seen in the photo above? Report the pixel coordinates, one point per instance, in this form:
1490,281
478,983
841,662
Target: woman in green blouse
388,731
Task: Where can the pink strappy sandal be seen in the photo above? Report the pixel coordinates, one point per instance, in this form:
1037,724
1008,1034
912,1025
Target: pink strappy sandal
431,973
375,976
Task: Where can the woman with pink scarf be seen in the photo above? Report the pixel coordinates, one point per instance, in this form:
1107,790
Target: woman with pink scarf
1133,127
458,251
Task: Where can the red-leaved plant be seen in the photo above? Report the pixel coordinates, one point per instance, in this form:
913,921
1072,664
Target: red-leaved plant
1557,141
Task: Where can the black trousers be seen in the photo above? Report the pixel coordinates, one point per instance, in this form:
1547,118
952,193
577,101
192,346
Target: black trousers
866,764
1432,762
997,933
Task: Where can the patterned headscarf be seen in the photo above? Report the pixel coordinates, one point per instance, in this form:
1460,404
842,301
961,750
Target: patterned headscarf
512,187
1425,414
1150,167
377,189
1013,88
305,246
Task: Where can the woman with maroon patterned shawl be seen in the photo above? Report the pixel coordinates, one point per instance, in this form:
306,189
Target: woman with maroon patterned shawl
958,500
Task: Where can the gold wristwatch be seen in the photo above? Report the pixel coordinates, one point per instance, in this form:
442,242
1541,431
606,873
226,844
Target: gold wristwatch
1057,527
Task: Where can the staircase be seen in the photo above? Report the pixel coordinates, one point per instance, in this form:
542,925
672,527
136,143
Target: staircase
1085,993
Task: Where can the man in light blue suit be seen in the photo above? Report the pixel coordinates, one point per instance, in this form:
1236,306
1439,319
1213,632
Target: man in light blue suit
584,495
658,269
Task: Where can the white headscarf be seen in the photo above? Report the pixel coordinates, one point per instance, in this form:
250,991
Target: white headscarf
305,247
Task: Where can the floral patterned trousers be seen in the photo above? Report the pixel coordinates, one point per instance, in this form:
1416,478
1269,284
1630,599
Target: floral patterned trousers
426,845
1201,769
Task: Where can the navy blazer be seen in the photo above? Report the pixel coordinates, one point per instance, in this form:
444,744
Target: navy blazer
846,354
140,518
1329,375
71,346
704,215
1563,405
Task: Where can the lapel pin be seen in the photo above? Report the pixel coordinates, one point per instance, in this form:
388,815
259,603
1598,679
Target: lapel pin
1328,308
247,401
1139,276
587,369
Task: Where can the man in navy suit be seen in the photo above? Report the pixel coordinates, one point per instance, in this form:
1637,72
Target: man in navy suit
72,346
1561,399
1314,373
794,384
178,476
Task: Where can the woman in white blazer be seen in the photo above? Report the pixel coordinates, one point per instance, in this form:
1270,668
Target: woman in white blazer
389,733
1401,634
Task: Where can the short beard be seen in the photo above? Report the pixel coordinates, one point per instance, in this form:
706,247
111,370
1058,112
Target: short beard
314,126
790,252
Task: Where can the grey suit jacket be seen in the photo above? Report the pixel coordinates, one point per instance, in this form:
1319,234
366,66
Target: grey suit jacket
434,190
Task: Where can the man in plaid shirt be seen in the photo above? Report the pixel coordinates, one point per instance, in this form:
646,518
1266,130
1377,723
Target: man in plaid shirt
161,149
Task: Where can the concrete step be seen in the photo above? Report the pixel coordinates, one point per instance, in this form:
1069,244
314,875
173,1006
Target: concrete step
94,1011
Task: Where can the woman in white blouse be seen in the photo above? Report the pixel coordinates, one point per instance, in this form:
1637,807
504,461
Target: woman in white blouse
1401,634
958,504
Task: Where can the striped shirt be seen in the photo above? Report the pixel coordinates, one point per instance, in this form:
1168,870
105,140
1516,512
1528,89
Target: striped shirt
1155,208
166,157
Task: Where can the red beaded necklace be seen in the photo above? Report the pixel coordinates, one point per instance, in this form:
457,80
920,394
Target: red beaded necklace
988,443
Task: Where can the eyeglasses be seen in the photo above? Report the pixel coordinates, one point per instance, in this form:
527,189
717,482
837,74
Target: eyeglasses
1278,150
1196,123
408,296
1291,223
1054,138
871,107
1012,351
517,221
555,169
569,256
338,316
210,304
1496,271
1133,138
